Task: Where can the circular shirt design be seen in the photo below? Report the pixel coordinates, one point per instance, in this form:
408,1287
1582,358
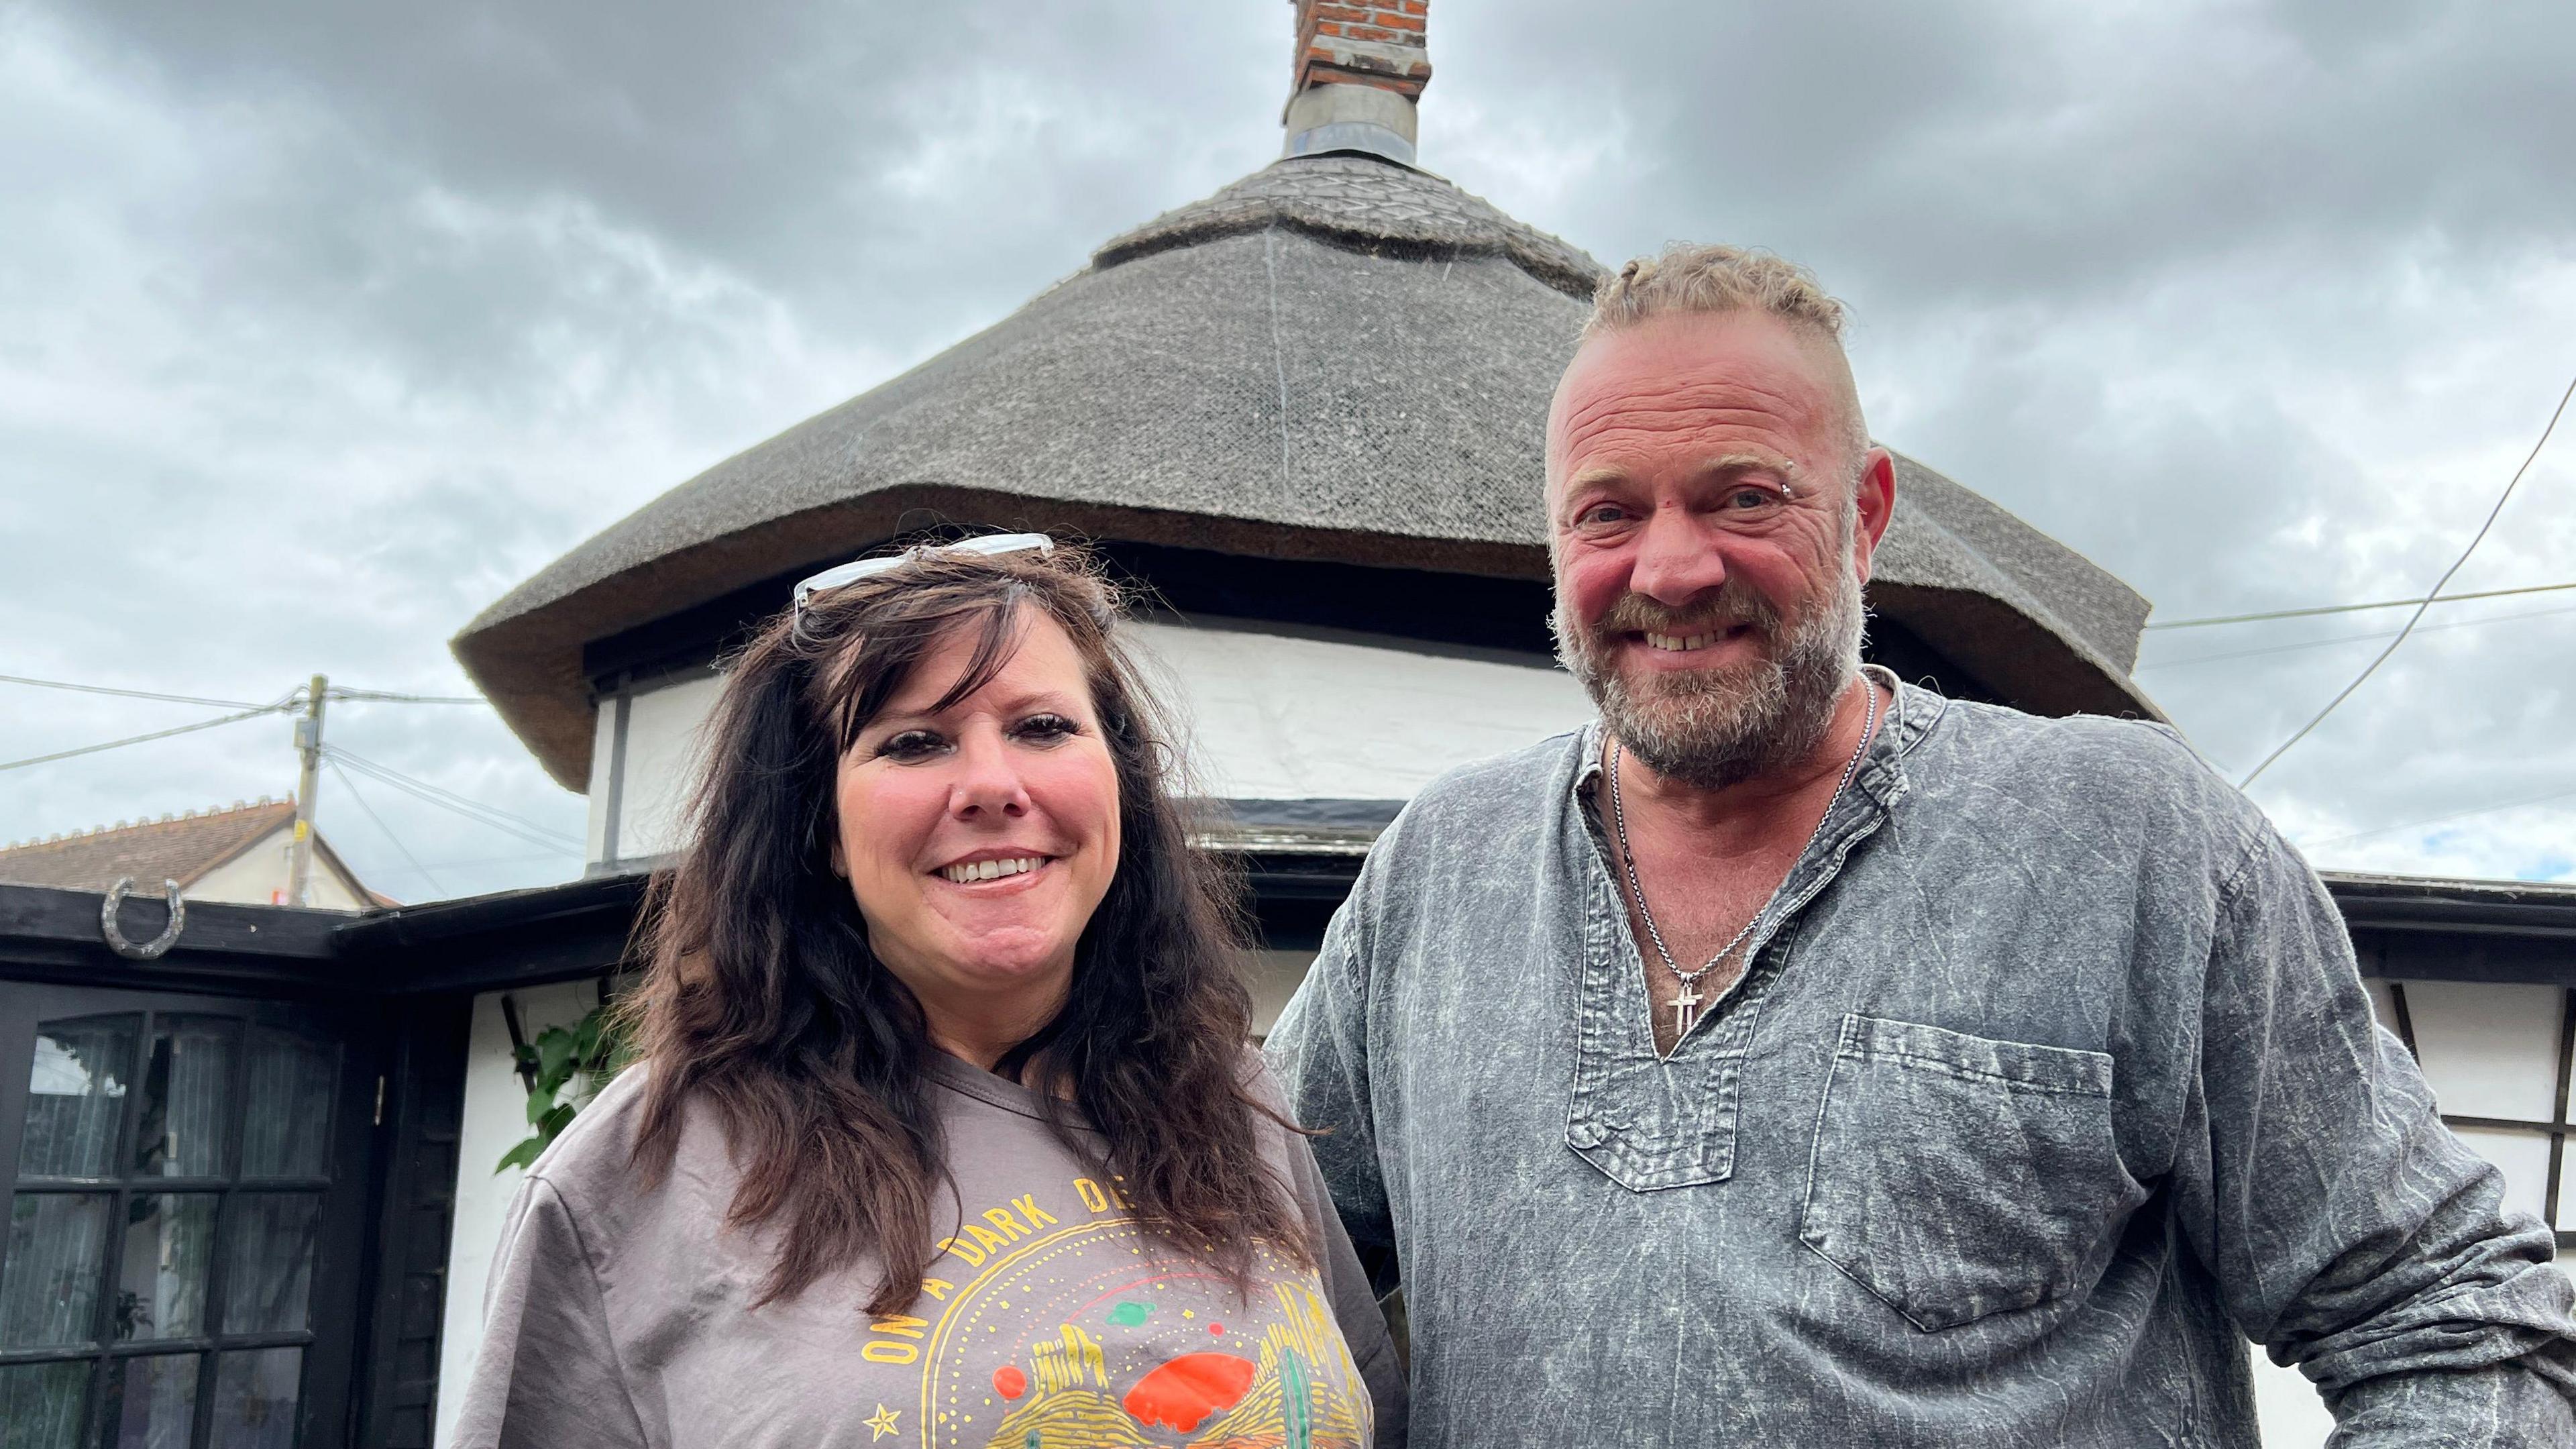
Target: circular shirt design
1085,1336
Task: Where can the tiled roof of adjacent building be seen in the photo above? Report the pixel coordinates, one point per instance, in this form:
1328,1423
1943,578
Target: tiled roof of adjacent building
174,847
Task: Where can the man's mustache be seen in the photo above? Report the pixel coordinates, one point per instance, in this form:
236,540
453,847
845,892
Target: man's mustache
1729,605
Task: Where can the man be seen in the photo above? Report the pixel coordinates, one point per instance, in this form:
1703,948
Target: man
1798,1058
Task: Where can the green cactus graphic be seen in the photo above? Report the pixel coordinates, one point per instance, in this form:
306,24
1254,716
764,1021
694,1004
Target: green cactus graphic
1294,1403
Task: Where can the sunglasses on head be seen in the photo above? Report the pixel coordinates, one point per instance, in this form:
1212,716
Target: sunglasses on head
989,546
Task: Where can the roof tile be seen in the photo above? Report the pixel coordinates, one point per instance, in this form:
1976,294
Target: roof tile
180,848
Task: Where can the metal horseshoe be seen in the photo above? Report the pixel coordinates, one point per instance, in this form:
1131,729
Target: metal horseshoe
148,950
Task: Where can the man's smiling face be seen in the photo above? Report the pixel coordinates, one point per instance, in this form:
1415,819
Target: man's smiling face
1711,524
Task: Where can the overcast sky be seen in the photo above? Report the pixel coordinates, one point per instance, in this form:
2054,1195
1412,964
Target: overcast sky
322,325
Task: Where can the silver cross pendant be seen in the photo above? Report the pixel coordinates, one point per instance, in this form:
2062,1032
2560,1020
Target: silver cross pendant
1685,1012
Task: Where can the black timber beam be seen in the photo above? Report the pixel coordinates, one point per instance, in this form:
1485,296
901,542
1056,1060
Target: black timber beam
587,928
2410,929
491,943
2402,929
51,934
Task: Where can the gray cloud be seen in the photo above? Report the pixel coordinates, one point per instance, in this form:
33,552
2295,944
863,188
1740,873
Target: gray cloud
321,326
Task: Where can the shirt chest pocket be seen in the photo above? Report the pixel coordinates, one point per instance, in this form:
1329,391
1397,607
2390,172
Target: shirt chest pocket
1956,1176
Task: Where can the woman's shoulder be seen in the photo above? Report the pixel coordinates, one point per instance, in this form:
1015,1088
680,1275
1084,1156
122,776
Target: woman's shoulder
594,1161
1273,1122
1252,1070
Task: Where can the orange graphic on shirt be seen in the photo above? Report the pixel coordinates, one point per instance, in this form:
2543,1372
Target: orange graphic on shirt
1139,1350
1189,1388
1285,1400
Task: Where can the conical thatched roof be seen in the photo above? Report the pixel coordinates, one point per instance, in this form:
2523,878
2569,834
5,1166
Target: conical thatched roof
1337,357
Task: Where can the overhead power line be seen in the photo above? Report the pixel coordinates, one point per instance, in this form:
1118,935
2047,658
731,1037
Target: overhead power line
2430,594
2443,819
2347,639
127,693
382,828
475,810
378,696
2357,608
203,724
371,696
527,830
515,832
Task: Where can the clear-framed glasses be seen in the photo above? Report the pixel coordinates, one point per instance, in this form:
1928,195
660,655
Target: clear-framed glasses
988,546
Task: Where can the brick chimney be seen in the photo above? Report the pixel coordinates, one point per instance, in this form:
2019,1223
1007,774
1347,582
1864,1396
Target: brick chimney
1360,63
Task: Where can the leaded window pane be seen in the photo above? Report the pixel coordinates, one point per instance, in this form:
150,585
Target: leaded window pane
269,1243
152,1402
76,1096
187,1092
255,1398
41,1403
288,1130
57,1252
169,1239
131,1223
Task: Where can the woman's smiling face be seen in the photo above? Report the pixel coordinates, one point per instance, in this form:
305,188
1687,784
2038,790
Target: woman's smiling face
979,838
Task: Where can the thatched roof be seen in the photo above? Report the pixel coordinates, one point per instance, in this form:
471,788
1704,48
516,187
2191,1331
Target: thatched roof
1335,358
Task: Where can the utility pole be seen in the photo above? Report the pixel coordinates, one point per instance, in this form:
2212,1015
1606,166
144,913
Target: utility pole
308,746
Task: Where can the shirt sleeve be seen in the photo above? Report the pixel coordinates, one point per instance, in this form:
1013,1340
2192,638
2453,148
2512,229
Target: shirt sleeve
1318,1053
1355,1303
547,1376
2350,1232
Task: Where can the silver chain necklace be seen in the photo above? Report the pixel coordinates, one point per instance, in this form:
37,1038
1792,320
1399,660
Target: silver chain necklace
1686,1003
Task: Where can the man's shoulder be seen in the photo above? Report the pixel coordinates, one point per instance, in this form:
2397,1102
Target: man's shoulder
2083,765
2072,741
1507,787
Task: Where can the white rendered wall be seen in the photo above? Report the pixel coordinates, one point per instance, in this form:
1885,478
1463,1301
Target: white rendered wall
661,759
603,761
2287,1411
1266,717
1277,717
495,1120
2491,1050
1275,977
258,876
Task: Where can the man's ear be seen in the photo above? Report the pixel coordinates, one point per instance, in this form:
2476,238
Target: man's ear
1875,502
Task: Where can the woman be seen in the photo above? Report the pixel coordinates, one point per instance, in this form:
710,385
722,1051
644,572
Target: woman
943,1127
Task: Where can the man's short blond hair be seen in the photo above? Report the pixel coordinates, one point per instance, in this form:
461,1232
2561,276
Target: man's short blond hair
1692,277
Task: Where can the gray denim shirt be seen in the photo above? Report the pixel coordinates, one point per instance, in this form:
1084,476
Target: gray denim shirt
2051,1082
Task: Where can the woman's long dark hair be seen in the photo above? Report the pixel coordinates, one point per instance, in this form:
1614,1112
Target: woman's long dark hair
764,1000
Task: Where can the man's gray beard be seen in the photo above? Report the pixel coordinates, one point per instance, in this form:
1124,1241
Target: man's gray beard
1719,727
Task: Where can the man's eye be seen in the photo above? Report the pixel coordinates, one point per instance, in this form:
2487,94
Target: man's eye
911,745
1600,513
1046,729
1747,500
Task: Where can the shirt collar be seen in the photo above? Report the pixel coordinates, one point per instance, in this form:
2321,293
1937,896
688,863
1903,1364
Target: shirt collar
1882,769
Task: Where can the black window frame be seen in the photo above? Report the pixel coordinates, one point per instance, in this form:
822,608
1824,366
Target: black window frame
329,1341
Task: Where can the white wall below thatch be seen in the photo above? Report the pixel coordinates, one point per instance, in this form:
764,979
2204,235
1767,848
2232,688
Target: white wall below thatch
1264,716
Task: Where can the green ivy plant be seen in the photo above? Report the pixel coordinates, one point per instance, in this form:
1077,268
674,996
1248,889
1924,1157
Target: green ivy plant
570,1065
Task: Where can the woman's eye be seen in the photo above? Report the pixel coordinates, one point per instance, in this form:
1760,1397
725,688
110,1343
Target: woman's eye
911,745
1046,729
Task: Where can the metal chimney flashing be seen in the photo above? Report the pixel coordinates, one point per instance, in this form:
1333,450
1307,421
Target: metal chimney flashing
1362,118
1365,137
